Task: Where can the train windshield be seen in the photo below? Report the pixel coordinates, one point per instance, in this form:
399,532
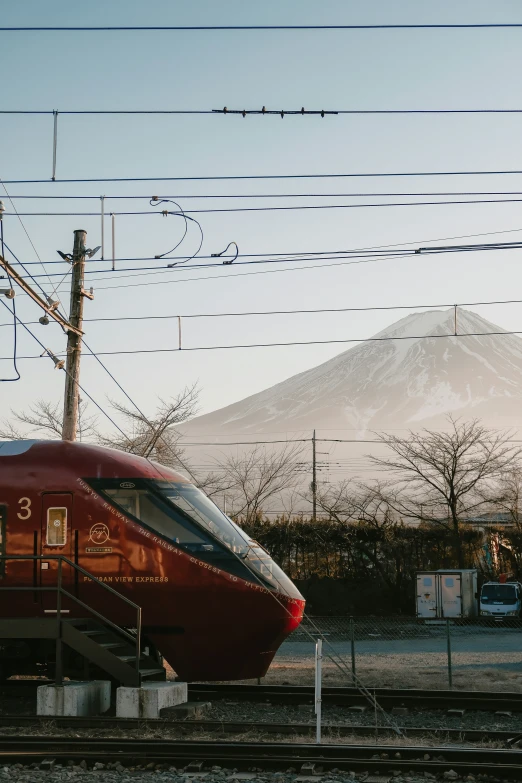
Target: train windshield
193,502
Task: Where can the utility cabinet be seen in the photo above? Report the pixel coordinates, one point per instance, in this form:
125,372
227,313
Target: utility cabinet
447,593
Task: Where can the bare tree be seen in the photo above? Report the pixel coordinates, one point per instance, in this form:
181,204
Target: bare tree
154,437
357,502
446,477
45,418
365,509
509,496
253,478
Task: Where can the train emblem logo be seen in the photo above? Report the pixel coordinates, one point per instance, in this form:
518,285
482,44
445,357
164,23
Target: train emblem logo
99,533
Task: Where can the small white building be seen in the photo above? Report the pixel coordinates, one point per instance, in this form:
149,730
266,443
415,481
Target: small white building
447,593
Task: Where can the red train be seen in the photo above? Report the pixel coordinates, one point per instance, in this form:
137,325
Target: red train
214,603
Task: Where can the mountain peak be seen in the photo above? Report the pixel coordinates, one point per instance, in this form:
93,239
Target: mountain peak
399,379
438,322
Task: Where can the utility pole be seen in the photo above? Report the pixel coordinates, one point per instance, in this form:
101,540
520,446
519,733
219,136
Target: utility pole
314,480
74,339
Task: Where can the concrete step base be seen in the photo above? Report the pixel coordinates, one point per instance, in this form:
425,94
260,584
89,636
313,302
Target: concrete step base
79,699
150,699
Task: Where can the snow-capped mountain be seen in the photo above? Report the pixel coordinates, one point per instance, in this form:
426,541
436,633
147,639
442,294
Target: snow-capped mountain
412,380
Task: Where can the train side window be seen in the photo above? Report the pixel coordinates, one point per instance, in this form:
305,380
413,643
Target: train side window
158,515
2,539
56,527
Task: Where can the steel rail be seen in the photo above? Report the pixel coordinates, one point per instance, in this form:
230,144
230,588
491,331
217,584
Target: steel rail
242,755
342,696
191,726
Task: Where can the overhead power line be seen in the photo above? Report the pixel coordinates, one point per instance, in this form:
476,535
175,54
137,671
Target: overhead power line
304,440
244,112
312,254
227,177
288,344
294,207
500,302
238,274
206,196
259,27
356,258
323,265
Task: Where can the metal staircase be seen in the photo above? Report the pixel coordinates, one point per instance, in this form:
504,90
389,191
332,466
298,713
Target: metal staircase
113,648
111,651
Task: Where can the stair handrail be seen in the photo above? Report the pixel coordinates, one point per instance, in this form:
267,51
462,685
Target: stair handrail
60,590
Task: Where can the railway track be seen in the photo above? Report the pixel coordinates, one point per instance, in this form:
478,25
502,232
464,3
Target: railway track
421,699
348,697
197,756
191,727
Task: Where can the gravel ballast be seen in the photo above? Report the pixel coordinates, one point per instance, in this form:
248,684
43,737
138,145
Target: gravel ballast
151,773
331,715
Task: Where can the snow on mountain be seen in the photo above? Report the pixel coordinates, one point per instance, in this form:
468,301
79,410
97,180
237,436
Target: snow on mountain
409,381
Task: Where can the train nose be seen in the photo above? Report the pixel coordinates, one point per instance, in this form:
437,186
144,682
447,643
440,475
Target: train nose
236,643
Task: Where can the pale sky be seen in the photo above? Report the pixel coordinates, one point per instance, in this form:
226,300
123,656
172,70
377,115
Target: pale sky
204,70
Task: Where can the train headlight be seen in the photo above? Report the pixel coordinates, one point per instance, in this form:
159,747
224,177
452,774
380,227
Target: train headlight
484,612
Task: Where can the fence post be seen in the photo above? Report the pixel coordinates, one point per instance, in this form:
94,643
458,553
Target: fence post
58,673
352,644
318,685
448,641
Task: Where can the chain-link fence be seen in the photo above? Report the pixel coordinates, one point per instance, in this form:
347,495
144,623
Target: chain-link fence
405,652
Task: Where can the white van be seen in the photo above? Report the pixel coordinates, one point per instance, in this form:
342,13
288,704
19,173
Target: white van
501,599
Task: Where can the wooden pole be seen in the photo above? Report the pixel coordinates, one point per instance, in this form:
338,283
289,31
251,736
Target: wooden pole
74,341
314,480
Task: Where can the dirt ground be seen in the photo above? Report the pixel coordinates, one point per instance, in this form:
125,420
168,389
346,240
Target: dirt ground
301,672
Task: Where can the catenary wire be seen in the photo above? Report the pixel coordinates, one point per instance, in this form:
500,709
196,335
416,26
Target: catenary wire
221,277
296,311
281,195
262,111
238,274
226,177
148,271
142,272
133,352
355,258
259,27
315,252
292,207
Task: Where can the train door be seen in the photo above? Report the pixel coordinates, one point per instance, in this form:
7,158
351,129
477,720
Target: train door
56,539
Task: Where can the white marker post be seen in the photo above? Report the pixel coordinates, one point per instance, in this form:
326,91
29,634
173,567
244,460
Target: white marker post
318,680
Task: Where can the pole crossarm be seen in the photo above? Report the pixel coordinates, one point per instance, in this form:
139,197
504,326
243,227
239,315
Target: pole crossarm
49,310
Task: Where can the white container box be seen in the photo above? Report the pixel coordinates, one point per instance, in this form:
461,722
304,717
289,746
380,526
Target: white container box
447,593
